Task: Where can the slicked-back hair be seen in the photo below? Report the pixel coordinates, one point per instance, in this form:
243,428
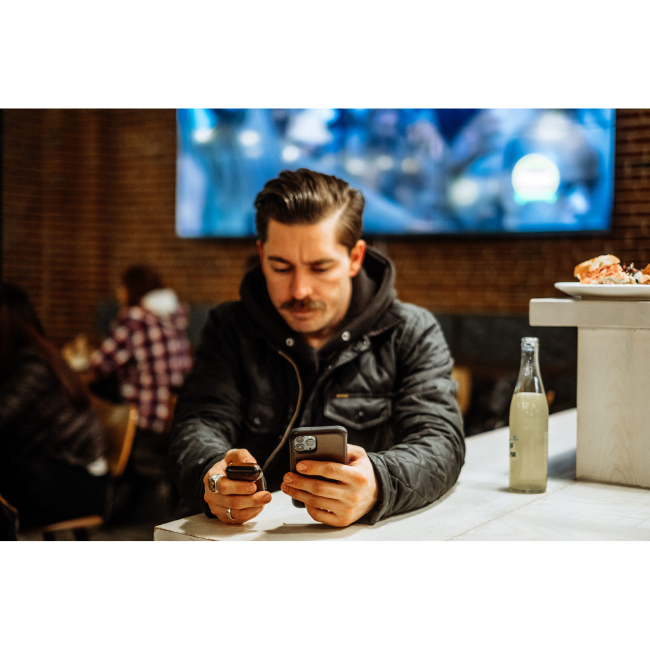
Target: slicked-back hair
307,197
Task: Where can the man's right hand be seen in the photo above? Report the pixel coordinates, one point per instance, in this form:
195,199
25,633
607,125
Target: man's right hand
240,496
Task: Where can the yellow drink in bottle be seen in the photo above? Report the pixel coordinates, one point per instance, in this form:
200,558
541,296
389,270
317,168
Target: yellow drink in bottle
528,443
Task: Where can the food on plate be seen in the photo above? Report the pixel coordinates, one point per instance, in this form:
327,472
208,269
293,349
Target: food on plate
646,275
608,269
604,269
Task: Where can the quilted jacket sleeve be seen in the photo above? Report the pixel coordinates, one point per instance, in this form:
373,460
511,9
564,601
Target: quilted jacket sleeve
22,388
207,416
428,430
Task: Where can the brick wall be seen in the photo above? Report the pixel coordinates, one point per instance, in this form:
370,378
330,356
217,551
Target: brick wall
86,193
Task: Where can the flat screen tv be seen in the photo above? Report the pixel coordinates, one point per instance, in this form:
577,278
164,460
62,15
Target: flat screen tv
422,171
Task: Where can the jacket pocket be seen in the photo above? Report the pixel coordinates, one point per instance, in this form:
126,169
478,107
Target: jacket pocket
358,411
263,418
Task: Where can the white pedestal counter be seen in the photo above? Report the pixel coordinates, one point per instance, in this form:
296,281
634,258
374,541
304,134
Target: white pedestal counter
613,426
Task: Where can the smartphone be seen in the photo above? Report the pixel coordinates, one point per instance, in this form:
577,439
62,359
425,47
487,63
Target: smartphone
317,443
247,472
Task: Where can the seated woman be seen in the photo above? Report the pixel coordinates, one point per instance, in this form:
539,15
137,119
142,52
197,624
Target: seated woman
148,350
52,446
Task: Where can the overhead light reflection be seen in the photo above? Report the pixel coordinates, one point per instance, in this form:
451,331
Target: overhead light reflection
385,163
464,192
535,177
203,134
355,166
249,138
290,153
410,166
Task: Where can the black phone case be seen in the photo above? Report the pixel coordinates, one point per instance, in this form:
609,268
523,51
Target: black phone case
331,444
247,472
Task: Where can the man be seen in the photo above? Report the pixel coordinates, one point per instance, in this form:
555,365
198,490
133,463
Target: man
318,338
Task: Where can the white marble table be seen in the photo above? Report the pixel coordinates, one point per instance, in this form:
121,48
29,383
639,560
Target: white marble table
479,507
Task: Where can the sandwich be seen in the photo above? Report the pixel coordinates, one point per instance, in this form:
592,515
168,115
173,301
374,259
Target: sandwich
604,269
608,269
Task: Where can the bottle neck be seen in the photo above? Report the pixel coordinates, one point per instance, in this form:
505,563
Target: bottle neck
530,378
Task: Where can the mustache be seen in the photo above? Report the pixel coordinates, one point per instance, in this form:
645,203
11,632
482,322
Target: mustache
306,304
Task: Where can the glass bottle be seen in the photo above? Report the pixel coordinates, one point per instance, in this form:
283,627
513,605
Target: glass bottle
529,425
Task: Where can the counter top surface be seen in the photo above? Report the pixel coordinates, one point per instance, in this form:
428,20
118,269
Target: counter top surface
576,312
479,506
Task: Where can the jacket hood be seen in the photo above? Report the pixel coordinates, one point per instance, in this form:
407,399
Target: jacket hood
162,302
372,292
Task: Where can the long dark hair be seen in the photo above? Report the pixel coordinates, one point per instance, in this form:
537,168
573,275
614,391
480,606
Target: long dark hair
20,327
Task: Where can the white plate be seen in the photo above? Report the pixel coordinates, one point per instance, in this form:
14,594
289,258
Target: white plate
606,291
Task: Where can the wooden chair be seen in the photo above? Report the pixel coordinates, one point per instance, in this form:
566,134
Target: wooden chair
6,503
464,378
119,422
171,405
10,516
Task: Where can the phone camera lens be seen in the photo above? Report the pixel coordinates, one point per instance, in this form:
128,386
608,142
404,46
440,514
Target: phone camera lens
300,439
300,447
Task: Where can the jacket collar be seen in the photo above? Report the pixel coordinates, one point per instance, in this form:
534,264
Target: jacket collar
373,292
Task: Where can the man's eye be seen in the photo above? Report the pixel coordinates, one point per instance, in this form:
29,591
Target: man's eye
282,270
321,269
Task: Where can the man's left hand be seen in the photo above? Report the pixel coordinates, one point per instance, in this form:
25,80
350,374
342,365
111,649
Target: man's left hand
337,504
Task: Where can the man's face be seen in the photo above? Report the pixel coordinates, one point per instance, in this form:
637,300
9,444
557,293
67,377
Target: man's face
308,276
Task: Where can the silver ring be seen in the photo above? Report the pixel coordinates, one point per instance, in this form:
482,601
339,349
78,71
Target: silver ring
212,483
229,513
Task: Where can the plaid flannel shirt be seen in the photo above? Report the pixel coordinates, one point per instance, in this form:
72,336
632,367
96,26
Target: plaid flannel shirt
150,355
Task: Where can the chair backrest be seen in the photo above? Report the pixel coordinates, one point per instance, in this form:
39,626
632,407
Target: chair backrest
119,422
171,405
464,378
6,503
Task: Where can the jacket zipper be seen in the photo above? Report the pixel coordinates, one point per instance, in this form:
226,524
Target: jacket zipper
295,415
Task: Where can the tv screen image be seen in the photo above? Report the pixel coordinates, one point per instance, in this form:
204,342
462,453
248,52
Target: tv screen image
421,171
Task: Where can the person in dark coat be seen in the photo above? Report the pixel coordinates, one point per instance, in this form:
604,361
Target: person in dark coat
318,338
52,445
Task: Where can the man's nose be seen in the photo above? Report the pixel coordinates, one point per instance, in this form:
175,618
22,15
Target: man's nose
300,285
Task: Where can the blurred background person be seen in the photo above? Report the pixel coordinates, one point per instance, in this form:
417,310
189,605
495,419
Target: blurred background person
147,352
144,361
52,446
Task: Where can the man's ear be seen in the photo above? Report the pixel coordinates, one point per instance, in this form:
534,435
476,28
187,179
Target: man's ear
260,250
357,254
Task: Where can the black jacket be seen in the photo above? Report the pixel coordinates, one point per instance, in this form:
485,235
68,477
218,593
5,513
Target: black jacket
37,418
385,376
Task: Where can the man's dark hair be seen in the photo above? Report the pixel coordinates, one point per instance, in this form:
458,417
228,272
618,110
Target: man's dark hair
307,197
139,281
